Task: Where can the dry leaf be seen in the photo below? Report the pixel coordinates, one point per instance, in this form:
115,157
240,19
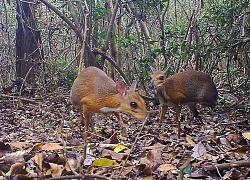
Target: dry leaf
39,160
111,154
246,135
15,168
127,170
22,145
166,167
51,146
199,151
71,165
153,159
146,178
190,141
56,170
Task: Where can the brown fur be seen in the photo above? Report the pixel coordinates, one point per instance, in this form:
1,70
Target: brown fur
188,87
93,92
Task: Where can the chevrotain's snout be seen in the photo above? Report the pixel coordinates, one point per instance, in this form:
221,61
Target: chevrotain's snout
152,86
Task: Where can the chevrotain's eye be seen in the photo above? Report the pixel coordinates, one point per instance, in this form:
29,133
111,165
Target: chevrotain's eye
161,77
134,105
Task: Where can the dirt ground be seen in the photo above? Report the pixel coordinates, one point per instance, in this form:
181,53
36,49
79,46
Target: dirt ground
41,137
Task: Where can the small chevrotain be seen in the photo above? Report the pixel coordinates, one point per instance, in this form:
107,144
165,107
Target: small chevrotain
188,87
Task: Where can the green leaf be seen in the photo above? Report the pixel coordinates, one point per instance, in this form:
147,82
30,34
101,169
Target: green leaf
105,162
188,170
120,148
64,63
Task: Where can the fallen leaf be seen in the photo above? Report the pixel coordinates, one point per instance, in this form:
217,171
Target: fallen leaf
17,154
166,167
56,170
36,146
190,141
143,169
146,178
235,174
107,153
105,162
246,135
88,161
114,139
120,148
198,151
242,152
22,145
71,165
127,170
153,159
39,160
15,168
51,146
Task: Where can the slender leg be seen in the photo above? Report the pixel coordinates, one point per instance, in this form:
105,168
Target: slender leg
193,109
123,128
118,116
178,119
81,116
163,112
86,115
91,120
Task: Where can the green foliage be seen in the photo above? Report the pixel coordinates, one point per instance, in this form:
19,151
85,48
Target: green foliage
100,12
102,34
65,77
128,42
64,63
223,16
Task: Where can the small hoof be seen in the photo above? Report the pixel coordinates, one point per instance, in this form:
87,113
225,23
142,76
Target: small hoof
124,132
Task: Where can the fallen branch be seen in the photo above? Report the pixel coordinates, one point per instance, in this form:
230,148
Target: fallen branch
227,165
19,98
87,176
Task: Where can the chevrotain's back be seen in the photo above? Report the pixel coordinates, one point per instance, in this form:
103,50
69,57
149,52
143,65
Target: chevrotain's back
95,92
191,86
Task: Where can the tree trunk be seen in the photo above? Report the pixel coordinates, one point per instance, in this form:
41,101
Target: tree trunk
28,41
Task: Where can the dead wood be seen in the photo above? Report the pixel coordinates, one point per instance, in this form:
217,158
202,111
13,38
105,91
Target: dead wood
227,165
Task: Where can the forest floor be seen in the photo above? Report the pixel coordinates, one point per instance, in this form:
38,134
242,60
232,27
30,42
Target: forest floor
41,137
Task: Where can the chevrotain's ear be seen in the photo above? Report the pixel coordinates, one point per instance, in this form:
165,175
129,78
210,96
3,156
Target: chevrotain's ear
121,88
166,70
133,85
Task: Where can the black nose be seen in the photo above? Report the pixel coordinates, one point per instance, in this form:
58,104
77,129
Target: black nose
149,121
151,86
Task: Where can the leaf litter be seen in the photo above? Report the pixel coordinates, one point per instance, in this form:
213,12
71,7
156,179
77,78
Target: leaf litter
46,140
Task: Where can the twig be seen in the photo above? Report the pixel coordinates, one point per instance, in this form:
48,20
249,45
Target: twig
87,176
218,171
64,148
182,168
23,99
227,165
133,145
